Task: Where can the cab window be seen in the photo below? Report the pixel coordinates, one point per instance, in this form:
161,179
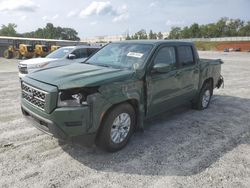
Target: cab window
185,54
80,53
91,51
166,55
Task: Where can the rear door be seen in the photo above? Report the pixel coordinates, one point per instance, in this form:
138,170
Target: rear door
188,73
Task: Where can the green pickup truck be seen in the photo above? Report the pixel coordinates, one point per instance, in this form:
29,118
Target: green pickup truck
106,98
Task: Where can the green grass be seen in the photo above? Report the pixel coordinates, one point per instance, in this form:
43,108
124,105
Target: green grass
206,46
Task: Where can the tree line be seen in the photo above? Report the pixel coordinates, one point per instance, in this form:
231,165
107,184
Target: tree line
48,32
224,27
142,34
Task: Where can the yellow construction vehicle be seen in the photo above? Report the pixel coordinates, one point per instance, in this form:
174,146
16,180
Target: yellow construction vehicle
41,50
24,50
54,47
19,51
9,53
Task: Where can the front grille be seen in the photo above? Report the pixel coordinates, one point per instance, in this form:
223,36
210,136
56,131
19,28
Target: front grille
23,69
34,96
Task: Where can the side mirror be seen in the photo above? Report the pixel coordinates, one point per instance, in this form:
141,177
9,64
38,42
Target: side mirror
161,67
71,56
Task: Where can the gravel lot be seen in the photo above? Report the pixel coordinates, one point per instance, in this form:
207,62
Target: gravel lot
184,148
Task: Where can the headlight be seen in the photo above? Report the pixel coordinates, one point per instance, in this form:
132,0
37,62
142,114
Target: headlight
71,99
22,65
22,68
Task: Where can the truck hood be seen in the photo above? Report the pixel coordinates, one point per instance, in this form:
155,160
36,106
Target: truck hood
35,61
80,75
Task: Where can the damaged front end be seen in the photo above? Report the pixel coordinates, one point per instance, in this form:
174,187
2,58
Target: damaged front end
75,97
75,116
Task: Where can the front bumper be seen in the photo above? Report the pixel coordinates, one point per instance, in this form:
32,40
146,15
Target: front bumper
44,124
71,124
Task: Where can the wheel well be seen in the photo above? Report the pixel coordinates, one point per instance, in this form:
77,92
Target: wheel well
210,81
132,102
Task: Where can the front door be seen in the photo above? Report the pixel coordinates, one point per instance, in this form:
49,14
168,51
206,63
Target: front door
162,87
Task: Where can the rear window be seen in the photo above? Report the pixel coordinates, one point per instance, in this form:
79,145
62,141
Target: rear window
185,54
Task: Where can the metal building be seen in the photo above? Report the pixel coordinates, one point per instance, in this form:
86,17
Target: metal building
5,42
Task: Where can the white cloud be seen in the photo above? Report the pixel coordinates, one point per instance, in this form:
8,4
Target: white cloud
72,13
18,5
97,8
174,23
122,9
45,18
153,4
122,14
121,17
93,23
51,18
23,17
105,8
55,17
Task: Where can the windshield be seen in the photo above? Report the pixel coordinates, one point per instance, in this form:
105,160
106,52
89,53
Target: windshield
124,56
60,53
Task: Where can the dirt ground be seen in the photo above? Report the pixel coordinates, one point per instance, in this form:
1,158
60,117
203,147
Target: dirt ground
184,148
244,46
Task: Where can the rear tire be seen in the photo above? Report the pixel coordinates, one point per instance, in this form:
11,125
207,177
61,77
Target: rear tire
204,97
117,128
7,54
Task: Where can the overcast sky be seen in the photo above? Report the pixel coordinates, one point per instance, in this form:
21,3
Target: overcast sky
111,17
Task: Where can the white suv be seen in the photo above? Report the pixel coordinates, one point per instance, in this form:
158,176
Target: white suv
60,57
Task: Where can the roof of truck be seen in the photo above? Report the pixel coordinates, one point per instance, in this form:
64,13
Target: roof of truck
82,46
155,42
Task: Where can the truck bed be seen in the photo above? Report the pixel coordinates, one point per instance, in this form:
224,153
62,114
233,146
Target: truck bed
210,68
216,61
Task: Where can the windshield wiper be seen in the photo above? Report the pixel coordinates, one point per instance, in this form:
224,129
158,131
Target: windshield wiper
85,62
103,65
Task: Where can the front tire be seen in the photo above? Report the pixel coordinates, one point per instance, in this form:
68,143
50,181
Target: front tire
204,98
117,128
